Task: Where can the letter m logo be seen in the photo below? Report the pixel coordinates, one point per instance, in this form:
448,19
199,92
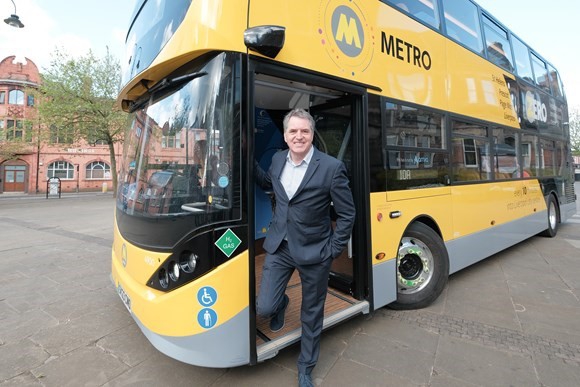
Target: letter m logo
347,31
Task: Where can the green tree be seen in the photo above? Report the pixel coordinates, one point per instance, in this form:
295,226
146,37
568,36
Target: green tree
574,123
78,97
15,141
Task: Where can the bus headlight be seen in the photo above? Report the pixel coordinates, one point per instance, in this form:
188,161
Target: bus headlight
163,278
188,262
173,271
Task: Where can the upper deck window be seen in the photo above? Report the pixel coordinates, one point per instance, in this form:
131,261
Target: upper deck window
154,24
522,56
499,50
424,10
462,23
540,73
557,89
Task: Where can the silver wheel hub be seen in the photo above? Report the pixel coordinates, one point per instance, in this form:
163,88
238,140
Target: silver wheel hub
552,216
414,266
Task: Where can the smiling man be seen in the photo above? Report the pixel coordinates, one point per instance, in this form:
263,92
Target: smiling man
305,182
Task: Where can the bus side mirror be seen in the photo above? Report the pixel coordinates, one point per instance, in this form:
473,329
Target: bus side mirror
266,40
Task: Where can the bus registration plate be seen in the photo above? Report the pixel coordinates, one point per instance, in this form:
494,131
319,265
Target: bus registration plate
124,297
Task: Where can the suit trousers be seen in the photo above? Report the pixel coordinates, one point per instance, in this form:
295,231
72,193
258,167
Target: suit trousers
278,268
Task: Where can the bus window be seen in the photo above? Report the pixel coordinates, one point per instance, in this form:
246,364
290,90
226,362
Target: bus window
522,56
540,73
470,147
557,90
550,157
498,46
424,10
561,152
505,157
462,23
414,140
378,177
408,126
530,160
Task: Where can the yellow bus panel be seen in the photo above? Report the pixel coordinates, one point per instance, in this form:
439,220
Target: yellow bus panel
176,313
386,232
406,60
478,207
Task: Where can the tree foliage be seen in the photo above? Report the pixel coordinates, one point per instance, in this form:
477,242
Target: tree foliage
77,99
10,150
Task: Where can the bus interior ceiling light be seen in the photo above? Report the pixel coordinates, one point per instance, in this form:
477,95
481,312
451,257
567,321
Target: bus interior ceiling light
14,20
266,40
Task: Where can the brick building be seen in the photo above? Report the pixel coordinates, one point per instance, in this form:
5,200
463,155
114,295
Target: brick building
79,166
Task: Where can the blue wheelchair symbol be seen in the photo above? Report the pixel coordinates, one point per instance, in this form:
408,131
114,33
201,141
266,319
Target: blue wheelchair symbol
207,318
207,296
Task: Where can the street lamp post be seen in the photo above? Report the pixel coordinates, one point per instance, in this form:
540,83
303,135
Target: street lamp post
14,20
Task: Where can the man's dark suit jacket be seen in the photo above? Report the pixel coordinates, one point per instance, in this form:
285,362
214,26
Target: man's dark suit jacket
305,219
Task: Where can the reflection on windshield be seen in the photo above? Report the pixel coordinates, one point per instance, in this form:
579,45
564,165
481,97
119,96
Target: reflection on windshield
181,156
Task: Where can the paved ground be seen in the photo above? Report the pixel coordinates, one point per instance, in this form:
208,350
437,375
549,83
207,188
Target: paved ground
512,320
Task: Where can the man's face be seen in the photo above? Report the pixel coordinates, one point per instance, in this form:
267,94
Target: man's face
299,137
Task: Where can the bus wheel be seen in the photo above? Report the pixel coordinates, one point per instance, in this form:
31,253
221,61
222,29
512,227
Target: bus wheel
422,268
553,218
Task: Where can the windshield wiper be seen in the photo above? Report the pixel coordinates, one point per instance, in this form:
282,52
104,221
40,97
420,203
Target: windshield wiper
163,85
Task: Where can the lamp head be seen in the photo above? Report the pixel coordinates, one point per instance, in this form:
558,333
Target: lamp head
14,21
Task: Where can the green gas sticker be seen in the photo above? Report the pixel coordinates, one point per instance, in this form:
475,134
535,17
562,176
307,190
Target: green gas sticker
228,242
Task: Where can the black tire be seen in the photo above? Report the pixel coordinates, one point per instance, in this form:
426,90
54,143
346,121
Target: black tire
553,218
422,268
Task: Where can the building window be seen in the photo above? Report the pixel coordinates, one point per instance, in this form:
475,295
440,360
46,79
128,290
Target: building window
2,97
98,170
61,169
16,97
60,135
29,100
14,130
170,142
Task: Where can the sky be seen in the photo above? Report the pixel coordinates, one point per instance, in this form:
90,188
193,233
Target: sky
550,28
72,26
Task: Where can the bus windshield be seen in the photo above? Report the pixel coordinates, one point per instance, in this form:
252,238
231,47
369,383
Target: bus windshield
181,166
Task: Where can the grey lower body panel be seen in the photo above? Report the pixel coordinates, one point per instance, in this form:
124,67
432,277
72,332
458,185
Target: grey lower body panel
472,248
222,347
384,283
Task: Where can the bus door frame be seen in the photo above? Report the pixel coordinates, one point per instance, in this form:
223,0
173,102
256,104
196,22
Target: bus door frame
359,180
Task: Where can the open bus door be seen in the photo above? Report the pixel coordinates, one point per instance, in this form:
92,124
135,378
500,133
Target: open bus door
338,116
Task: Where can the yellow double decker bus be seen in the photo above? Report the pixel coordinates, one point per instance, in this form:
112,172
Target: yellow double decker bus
452,129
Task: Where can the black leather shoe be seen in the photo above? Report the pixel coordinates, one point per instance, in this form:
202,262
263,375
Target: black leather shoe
304,380
277,321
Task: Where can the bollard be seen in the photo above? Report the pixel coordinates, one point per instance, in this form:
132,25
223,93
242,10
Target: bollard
104,187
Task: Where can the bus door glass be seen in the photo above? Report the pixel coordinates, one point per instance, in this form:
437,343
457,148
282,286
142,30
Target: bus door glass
333,136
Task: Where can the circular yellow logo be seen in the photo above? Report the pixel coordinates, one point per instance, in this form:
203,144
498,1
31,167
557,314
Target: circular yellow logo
346,35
